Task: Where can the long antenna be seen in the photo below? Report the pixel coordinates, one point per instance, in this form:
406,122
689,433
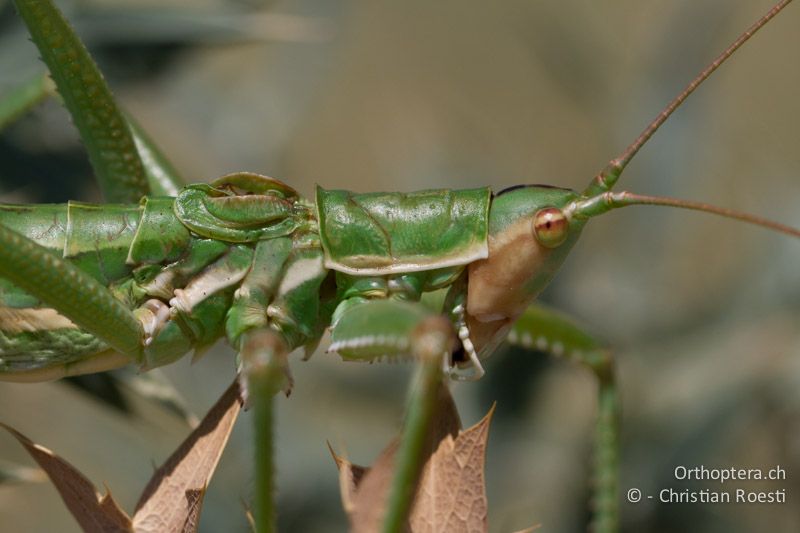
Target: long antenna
609,200
611,173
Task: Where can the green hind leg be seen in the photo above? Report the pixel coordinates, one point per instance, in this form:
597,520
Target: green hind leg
546,330
264,373
70,291
126,163
398,329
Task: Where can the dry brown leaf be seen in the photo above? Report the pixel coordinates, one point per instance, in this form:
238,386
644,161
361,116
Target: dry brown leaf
94,512
365,491
451,495
350,476
172,500
452,492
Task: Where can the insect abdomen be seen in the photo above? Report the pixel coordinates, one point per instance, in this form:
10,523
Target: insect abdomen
95,238
107,242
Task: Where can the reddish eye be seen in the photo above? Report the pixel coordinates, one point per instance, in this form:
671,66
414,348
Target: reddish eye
550,227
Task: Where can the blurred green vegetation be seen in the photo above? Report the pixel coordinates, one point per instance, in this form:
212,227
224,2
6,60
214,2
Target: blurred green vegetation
409,95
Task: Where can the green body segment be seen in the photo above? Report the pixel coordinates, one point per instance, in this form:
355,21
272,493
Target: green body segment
181,290
249,260
105,241
246,253
69,290
246,256
95,239
120,247
160,237
382,233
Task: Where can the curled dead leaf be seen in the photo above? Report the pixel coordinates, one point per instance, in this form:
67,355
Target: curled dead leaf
350,476
451,495
173,498
452,492
93,511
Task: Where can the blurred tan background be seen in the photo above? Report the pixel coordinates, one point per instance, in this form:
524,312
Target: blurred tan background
409,95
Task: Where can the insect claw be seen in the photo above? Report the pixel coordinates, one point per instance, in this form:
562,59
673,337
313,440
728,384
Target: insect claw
476,374
288,389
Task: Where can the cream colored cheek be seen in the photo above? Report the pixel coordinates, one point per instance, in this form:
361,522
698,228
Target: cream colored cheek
497,284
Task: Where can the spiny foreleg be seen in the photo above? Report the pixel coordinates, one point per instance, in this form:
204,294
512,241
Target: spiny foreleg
276,309
398,329
264,372
546,330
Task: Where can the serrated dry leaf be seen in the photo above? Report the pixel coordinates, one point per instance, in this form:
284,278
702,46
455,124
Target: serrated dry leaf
172,500
365,491
365,506
350,476
451,494
94,512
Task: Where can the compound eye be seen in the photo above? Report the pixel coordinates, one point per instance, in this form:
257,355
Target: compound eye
550,227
